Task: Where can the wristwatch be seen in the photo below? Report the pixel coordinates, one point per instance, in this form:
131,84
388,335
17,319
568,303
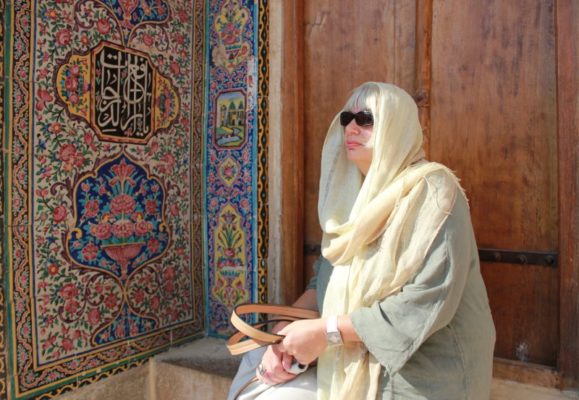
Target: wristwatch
333,335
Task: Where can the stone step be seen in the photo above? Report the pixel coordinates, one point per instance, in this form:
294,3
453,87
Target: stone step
200,370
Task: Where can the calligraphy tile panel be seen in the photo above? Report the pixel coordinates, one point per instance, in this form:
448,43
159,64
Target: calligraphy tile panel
103,188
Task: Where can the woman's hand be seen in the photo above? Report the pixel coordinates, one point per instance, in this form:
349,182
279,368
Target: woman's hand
272,366
275,362
305,340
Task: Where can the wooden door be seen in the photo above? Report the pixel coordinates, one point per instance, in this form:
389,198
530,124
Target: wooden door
493,120
485,76
345,45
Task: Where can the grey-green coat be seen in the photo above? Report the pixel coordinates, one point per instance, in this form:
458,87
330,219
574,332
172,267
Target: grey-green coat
435,338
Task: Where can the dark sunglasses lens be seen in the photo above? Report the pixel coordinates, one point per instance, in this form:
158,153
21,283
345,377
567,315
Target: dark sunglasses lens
364,118
346,117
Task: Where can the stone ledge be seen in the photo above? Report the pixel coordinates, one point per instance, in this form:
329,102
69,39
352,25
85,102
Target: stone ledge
509,390
173,382
208,355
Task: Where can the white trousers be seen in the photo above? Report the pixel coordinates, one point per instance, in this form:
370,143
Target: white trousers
303,387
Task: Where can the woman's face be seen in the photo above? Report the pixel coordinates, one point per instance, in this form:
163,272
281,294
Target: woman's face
357,138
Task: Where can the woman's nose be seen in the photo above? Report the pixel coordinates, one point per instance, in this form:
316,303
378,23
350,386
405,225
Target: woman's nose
351,128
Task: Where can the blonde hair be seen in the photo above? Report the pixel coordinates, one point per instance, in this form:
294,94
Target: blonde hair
364,97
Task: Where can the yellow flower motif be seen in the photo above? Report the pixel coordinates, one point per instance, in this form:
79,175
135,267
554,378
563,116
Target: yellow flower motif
52,14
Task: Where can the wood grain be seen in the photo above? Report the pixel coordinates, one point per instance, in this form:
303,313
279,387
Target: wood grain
424,66
568,125
523,301
292,162
494,121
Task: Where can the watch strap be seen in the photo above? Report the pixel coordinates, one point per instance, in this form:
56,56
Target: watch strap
333,335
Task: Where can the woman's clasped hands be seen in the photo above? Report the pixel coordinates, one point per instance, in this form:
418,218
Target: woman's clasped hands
303,342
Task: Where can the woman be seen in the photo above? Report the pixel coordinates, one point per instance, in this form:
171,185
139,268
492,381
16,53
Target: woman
404,310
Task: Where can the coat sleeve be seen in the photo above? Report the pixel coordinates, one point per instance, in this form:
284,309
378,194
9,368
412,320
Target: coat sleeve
313,283
394,328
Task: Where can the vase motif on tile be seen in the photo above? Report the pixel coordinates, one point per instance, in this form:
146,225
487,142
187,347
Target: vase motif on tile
119,227
231,49
230,279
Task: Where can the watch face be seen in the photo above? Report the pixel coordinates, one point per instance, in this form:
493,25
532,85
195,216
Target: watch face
334,338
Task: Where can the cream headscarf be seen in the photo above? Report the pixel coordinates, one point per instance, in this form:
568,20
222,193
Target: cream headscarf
378,228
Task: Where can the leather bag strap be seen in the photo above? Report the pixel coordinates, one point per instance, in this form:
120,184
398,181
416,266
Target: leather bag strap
256,337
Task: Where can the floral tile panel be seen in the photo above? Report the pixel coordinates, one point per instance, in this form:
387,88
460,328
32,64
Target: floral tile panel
104,260
235,228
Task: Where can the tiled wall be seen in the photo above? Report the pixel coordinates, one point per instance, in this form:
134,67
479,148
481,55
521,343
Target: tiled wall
3,386
134,181
235,150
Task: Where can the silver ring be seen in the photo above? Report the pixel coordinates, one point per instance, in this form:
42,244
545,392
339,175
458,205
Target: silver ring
261,369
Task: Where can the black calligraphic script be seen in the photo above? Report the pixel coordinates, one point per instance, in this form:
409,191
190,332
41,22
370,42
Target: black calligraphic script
123,93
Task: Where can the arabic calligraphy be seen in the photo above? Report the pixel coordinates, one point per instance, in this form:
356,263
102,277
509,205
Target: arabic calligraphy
128,100
123,85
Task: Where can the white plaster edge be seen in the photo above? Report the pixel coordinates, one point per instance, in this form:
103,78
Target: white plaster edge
275,153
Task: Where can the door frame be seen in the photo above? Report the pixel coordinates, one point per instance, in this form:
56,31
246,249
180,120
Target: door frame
567,37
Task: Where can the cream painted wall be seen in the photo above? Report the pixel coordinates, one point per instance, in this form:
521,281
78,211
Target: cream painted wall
275,152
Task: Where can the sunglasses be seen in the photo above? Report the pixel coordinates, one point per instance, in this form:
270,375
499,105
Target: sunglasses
363,118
